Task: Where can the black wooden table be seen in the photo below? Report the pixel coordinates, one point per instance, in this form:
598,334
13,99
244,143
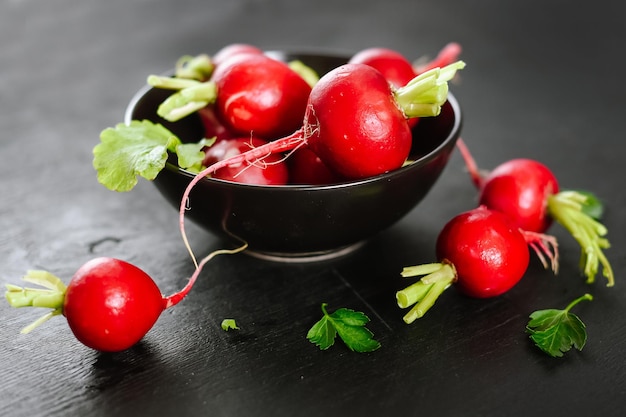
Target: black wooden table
544,80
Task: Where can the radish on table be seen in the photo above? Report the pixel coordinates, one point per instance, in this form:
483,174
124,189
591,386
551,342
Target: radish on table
528,193
109,304
479,251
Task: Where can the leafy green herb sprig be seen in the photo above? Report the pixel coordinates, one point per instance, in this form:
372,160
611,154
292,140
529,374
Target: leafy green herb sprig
556,331
349,324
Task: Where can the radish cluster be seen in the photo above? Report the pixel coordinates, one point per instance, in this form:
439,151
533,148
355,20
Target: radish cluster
485,251
270,120
528,193
352,123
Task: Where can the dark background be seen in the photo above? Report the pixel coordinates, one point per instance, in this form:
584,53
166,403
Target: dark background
544,80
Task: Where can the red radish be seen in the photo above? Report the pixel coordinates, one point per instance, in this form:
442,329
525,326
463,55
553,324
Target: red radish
232,50
259,95
353,123
396,68
253,95
449,53
109,304
305,167
528,193
272,170
479,251
520,188
200,67
213,126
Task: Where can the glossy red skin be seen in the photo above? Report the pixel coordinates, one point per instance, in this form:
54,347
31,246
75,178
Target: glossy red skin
392,64
520,188
489,253
110,304
396,68
260,96
213,126
275,172
305,167
354,124
231,50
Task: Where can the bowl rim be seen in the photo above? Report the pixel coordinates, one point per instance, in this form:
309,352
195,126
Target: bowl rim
452,135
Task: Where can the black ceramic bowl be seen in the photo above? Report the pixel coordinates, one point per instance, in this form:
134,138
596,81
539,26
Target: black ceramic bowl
298,222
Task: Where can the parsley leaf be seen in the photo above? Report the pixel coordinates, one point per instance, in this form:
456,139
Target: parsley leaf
556,331
349,324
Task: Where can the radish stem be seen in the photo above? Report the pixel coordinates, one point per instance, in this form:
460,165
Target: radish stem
177,297
412,294
51,297
171,83
287,143
545,247
198,67
423,293
187,100
424,269
474,172
566,208
426,93
307,73
585,297
422,307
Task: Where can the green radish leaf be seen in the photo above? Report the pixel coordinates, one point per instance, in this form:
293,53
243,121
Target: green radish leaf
128,151
191,155
556,331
